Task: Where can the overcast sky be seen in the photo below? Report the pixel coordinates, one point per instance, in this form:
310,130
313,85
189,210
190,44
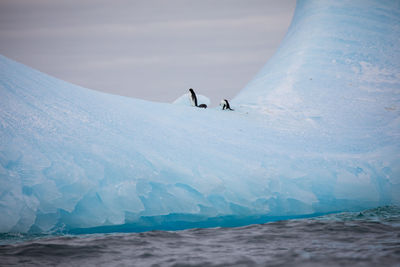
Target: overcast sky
148,49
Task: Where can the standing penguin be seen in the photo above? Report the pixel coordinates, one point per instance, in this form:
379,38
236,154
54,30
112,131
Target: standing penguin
193,97
225,104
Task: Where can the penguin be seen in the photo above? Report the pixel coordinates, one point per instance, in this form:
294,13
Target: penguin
202,106
225,104
193,97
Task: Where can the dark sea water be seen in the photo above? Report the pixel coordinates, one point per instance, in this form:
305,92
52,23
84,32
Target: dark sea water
368,238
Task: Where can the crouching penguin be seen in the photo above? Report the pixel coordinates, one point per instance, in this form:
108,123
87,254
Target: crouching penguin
225,104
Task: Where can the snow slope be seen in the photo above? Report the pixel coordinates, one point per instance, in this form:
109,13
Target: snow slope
316,131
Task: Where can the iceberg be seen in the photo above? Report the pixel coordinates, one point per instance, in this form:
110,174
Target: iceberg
316,131
184,100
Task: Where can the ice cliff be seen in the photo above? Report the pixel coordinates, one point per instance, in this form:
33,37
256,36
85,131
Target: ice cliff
317,130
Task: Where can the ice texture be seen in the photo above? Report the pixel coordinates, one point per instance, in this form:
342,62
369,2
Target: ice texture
317,130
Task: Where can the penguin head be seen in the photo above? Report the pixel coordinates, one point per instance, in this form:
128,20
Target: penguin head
224,102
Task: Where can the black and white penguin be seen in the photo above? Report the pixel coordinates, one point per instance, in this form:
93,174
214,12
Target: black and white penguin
193,98
202,106
225,104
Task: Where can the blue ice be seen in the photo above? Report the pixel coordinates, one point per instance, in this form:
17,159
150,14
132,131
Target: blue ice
316,131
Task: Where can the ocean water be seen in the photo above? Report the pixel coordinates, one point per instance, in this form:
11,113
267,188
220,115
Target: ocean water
368,238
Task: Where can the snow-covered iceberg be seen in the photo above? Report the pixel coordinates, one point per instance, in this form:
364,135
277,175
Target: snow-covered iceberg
316,131
184,100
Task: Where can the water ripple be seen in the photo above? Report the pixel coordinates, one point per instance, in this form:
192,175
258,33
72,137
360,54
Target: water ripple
369,238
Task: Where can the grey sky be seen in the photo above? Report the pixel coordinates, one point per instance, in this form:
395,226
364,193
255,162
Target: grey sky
149,49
